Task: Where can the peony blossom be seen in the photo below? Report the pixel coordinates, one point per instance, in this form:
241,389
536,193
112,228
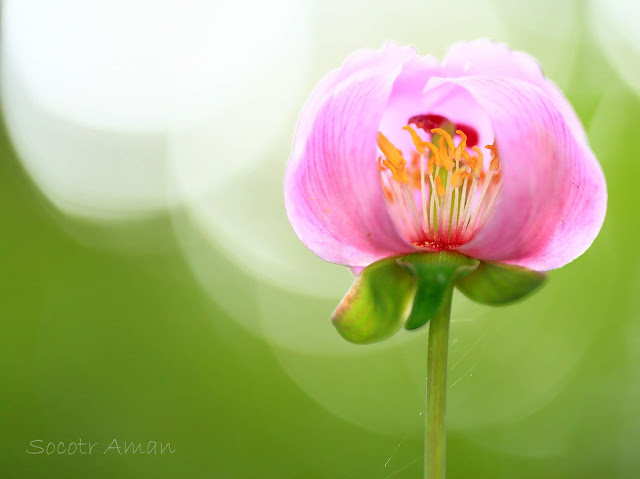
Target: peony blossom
424,176
396,153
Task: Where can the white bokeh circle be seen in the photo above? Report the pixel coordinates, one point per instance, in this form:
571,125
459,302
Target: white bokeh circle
97,94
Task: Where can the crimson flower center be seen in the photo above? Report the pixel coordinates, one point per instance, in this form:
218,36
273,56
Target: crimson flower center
444,195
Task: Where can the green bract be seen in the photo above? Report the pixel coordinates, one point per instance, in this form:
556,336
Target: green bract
499,283
409,290
377,303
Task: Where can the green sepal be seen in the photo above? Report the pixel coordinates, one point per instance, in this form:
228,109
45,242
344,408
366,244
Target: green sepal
377,303
436,273
499,283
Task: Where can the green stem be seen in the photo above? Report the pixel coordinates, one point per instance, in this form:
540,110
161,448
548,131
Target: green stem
435,433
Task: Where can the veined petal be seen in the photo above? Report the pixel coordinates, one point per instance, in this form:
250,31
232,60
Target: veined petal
486,57
554,196
333,195
365,62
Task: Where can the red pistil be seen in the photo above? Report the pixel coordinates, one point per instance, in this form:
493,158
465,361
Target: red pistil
429,121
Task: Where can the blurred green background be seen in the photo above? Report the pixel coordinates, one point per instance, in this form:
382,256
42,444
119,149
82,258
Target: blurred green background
189,313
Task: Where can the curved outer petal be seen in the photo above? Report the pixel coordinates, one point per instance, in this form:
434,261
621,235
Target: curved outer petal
554,194
332,186
488,58
365,62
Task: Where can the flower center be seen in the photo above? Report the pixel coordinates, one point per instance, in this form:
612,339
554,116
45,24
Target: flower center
444,195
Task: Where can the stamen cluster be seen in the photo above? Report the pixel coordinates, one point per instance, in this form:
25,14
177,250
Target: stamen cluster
442,198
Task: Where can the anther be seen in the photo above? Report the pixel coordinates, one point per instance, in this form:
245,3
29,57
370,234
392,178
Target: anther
439,188
420,145
445,134
393,159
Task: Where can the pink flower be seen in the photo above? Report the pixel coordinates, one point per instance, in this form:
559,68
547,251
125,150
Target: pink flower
396,153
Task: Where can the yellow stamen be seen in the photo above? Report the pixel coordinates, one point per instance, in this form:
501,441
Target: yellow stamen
414,171
393,155
495,159
445,158
439,188
462,145
420,144
399,174
435,155
478,161
445,134
431,163
480,155
458,177
393,159
463,140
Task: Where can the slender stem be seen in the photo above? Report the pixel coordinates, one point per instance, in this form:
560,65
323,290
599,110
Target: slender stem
435,433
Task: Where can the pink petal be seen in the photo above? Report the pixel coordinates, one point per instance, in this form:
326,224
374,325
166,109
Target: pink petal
333,195
554,193
486,57
365,62
406,100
